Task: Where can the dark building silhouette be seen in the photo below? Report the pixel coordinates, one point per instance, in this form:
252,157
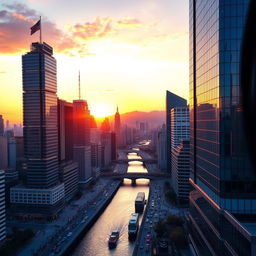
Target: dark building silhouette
113,146
65,130
172,100
117,128
1,125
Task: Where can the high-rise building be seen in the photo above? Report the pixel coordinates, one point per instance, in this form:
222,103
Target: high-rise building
117,129
179,125
113,146
1,125
82,148
4,152
180,170
65,130
43,192
81,123
82,155
40,116
69,177
223,198
106,148
172,100
161,148
2,207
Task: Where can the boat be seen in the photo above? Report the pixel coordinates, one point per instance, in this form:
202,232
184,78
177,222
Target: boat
133,226
140,202
113,238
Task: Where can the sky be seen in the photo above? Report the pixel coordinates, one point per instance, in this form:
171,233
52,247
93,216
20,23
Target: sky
128,52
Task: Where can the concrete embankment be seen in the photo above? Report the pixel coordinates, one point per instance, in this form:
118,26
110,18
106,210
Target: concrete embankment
135,251
84,228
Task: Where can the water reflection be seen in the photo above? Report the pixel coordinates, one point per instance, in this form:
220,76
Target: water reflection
116,216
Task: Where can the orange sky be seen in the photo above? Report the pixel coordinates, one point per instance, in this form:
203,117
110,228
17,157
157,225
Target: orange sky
128,54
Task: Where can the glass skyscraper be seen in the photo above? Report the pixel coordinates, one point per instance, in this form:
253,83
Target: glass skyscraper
40,116
223,199
43,193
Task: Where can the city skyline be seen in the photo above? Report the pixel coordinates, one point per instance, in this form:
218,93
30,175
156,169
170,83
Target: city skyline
131,46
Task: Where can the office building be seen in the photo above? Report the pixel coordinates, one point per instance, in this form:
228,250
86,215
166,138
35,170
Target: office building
65,130
43,193
160,142
180,171
172,100
81,123
223,199
4,152
69,177
179,125
117,129
106,148
1,126
2,207
82,155
113,146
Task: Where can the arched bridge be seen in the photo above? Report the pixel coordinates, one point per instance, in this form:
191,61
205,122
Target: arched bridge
136,175
143,160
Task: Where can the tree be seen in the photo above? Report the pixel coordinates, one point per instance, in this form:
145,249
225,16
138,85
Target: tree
160,228
174,220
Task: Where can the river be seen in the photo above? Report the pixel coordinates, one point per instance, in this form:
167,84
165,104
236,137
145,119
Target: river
115,217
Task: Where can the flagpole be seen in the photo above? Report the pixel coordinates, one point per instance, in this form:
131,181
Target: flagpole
40,30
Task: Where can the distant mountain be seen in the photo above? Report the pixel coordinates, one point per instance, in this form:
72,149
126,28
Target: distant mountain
154,118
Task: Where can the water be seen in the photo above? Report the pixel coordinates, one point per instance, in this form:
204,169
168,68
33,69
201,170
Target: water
115,217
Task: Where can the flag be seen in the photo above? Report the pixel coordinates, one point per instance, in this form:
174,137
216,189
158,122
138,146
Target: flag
35,27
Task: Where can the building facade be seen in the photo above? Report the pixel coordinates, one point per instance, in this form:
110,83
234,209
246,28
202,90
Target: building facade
179,125
172,100
181,171
1,125
2,207
223,199
40,135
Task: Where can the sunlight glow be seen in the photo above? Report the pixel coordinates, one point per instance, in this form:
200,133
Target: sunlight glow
100,110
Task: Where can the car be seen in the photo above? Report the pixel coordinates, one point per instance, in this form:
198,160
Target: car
69,234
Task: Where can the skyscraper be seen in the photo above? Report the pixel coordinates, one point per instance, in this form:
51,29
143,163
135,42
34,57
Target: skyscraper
40,116
1,125
2,206
65,130
223,200
43,192
81,122
117,129
172,100
179,125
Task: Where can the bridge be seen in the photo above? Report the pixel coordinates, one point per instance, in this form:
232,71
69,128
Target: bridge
136,175
143,160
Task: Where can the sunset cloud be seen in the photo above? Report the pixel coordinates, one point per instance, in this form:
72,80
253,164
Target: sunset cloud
129,22
73,40
15,23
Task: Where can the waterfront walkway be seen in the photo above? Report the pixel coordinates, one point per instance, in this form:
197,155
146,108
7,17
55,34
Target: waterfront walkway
52,236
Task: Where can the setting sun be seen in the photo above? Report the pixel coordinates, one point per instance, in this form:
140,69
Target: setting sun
100,110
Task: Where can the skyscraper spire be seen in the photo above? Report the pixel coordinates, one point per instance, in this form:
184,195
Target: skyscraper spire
79,87
117,108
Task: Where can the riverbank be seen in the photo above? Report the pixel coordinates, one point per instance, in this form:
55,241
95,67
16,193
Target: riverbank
84,227
51,236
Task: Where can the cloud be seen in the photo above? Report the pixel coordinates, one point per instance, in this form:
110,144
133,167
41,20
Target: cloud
16,20
15,23
129,22
101,27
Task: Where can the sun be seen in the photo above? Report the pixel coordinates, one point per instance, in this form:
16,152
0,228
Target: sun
100,110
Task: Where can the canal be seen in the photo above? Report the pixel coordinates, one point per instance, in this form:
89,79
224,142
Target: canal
115,217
